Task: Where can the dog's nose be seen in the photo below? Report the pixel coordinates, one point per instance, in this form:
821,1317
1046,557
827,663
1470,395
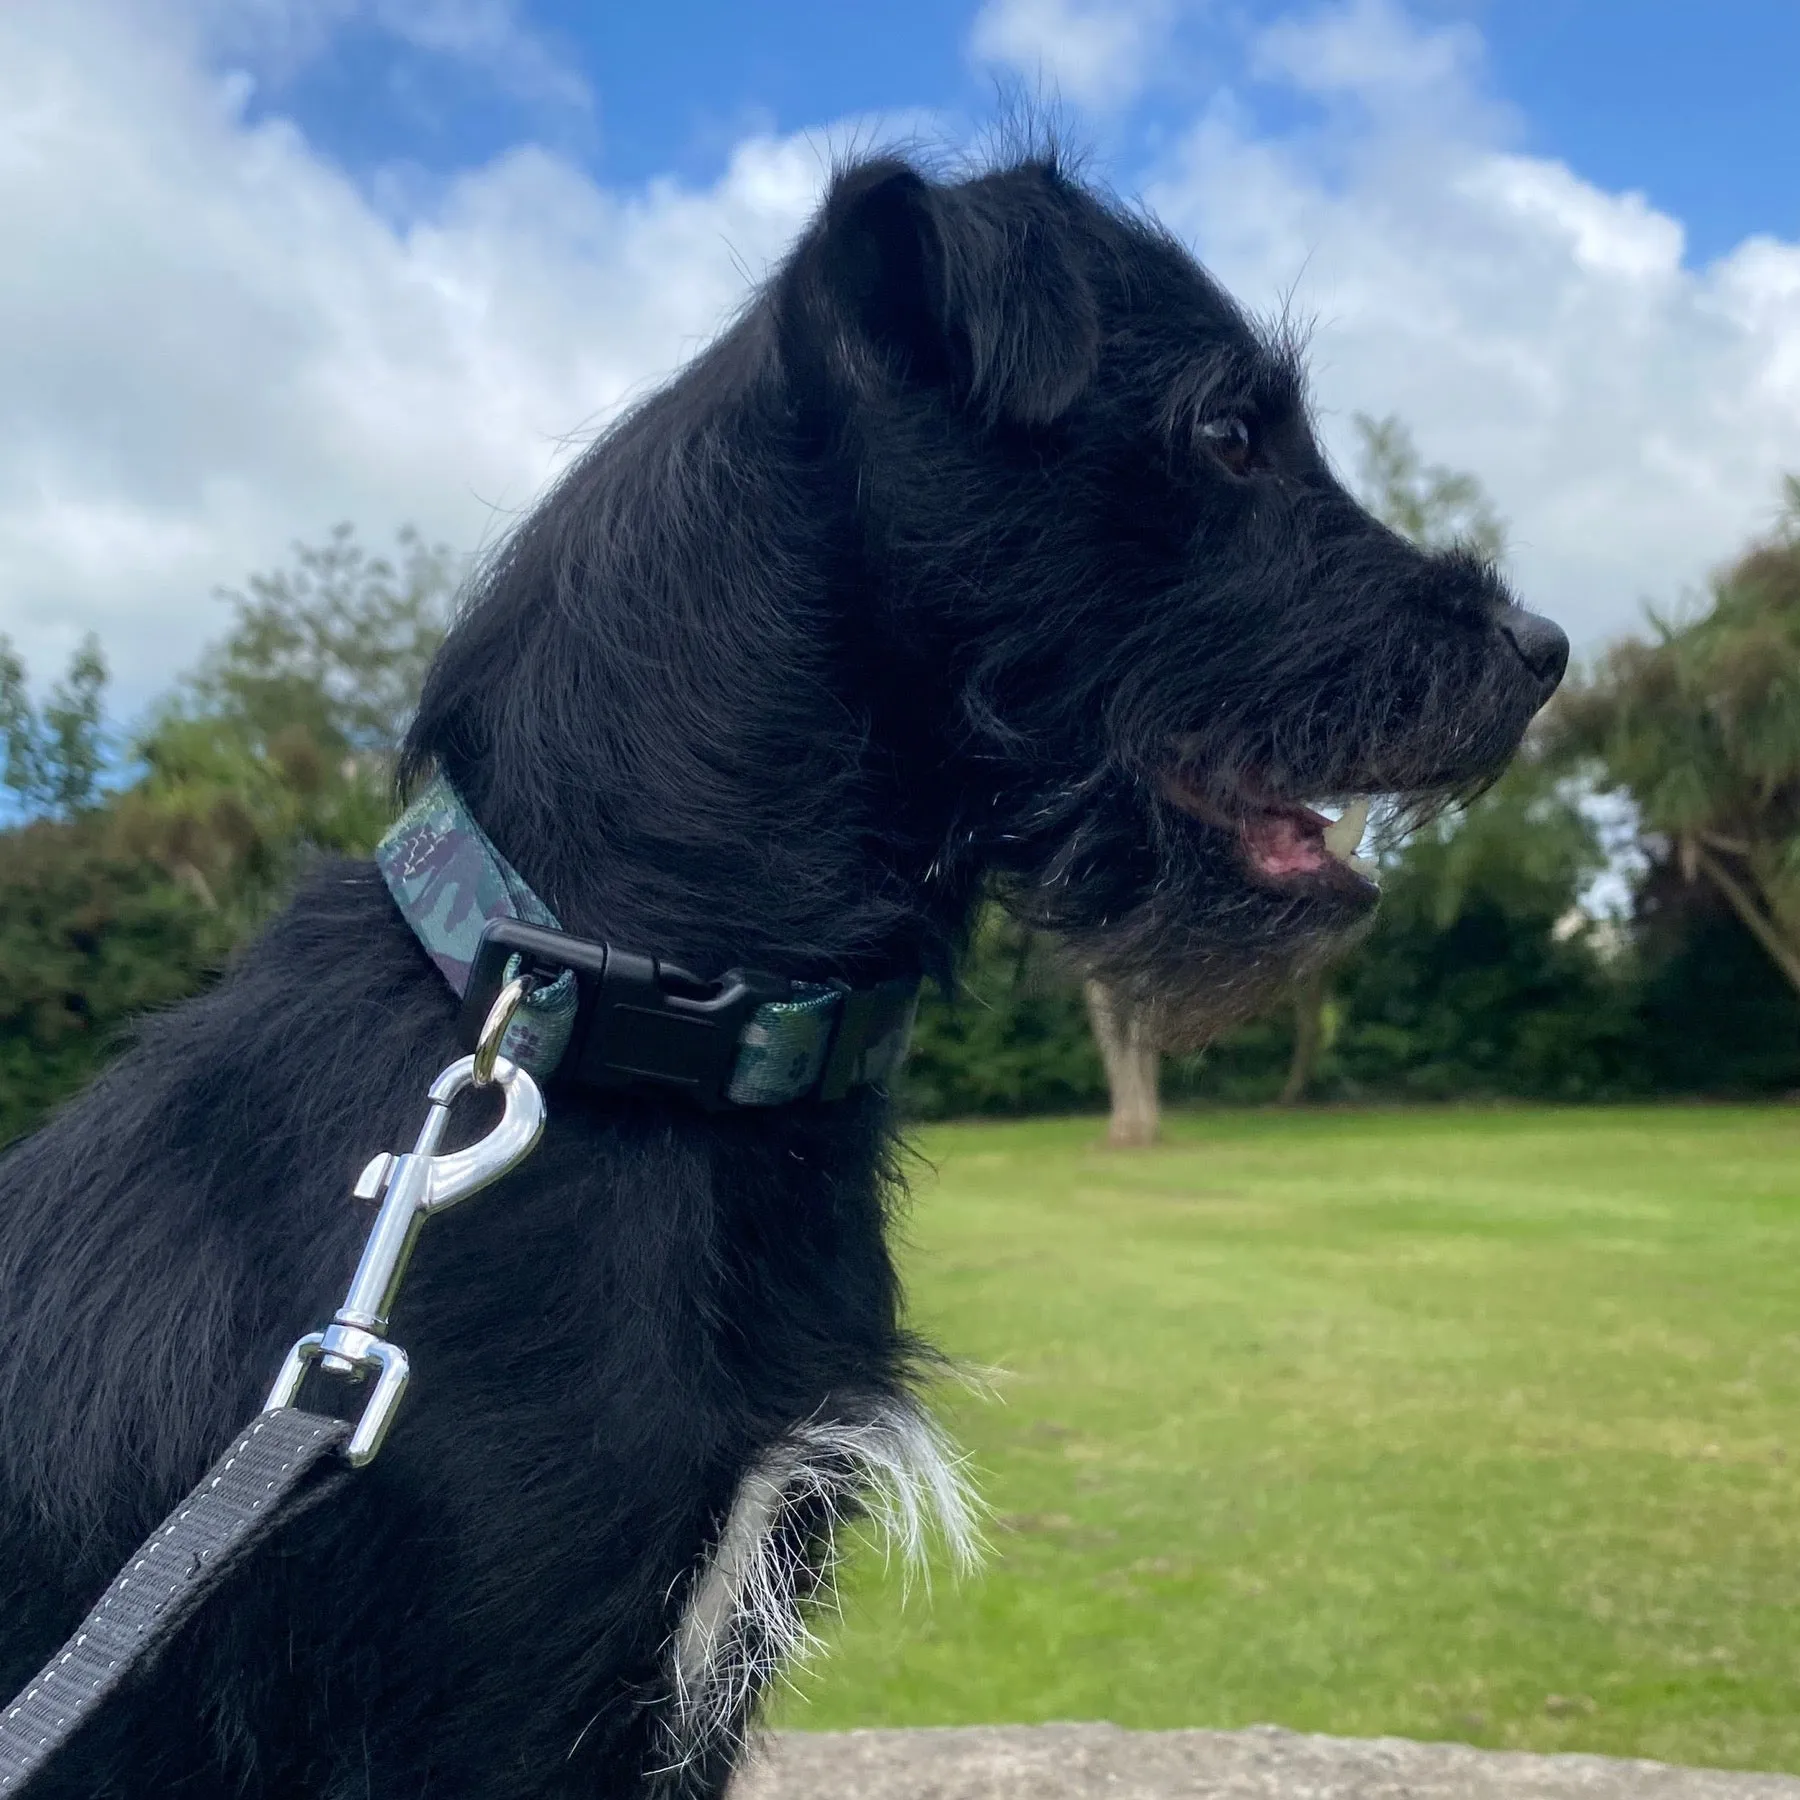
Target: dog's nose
1541,645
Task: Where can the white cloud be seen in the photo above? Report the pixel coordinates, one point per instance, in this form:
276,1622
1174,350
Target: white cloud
491,34
1365,49
276,38
1631,414
211,344
1094,53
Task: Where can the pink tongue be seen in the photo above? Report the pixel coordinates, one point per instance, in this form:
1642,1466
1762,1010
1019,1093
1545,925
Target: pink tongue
1278,844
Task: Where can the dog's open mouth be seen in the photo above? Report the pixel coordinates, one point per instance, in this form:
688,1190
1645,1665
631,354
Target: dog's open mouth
1285,841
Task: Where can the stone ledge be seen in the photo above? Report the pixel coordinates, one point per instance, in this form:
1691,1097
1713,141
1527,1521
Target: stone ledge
1088,1762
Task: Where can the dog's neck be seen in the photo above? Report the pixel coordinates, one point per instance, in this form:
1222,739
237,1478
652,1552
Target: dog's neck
673,710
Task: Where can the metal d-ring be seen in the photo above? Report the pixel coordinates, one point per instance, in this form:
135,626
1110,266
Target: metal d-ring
493,1028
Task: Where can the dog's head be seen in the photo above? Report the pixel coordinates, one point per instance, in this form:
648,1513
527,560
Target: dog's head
1158,642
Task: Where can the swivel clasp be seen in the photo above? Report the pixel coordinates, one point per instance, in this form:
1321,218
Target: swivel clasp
410,1188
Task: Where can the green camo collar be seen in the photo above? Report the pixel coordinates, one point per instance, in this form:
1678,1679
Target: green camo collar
449,881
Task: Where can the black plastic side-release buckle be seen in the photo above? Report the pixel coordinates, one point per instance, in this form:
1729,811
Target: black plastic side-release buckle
639,1021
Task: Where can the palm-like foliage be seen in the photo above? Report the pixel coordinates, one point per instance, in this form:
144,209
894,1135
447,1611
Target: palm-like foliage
1701,723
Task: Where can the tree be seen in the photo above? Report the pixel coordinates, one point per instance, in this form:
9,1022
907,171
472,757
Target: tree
1314,1034
1011,1039
281,744
337,645
1436,508
1133,1062
233,821
91,937
54,756
1700,724
1483,976
279,747
1710,1016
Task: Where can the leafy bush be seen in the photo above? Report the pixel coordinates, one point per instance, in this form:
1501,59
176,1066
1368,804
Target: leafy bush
1480,977
1013,1038
1712,1015
89,939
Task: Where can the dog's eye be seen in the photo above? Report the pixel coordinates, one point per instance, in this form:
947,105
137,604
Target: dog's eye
1230,441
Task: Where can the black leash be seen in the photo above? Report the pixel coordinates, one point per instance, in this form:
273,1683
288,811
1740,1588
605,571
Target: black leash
271,1473
285,1461
629,1020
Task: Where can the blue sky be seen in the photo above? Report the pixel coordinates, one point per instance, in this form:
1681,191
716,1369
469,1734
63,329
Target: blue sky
1693,104
273,264
1693,101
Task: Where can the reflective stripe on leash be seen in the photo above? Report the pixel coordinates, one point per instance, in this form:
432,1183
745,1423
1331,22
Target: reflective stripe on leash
273,1471
268,1476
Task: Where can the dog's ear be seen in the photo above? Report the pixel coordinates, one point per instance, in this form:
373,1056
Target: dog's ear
978,287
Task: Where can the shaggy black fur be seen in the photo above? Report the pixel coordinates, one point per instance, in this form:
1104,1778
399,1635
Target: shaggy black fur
992,539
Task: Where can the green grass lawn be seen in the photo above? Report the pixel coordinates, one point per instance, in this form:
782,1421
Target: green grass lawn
1469,1424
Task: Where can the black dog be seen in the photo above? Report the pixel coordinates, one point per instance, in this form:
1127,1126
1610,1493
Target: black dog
991,541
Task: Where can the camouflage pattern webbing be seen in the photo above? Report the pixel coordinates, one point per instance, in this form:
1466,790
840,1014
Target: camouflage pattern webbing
448,880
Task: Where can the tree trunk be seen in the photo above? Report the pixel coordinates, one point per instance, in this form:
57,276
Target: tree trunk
1309,1038
1785,956
1131,1061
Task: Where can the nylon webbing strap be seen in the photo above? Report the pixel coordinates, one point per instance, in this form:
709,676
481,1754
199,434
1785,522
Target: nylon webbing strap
251,1489
450,880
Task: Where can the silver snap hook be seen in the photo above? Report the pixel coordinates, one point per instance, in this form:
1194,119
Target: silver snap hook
411,1187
